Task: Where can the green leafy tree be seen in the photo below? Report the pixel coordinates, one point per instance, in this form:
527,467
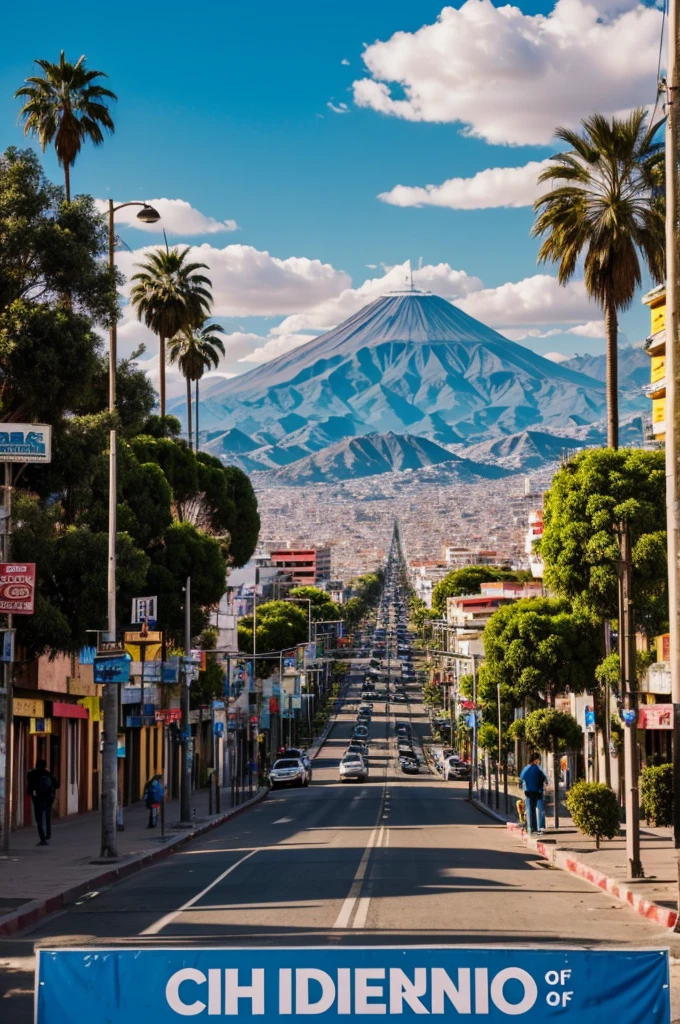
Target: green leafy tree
322,607
603,212
195,350
548,729
468,580
280,626
170,296
487,738
536,648
66,106
588,496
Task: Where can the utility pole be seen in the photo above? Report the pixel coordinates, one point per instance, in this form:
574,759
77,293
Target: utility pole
6,692
187,745
673,392
627,659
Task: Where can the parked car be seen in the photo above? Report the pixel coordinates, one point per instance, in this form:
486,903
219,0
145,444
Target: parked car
353,767
288,771
454,769
298,752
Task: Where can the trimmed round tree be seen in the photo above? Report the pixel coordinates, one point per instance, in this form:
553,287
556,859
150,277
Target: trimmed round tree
594,809
548,729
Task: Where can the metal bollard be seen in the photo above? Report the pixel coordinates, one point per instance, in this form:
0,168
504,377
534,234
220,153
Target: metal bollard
218,795
210,794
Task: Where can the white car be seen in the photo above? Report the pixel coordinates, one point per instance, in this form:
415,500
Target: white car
289,771
354,767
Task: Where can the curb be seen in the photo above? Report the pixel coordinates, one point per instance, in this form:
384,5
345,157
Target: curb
32,912
567,861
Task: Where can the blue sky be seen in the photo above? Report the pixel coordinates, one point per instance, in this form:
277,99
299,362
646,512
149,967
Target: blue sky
226,107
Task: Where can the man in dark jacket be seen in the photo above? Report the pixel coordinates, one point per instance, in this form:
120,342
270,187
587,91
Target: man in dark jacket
532,780
42,788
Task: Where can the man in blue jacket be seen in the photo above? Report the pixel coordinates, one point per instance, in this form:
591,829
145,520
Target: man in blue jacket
532,780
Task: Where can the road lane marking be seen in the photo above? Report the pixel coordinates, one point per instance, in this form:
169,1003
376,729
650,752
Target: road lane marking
282,821
163,922
347,907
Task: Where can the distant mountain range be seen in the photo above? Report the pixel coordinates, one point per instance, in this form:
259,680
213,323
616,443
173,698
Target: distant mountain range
408,382
372,455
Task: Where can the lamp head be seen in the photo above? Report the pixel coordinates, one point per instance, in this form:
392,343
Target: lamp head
148,215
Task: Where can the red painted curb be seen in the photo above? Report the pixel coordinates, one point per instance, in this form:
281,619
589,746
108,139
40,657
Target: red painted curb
663,916
34,911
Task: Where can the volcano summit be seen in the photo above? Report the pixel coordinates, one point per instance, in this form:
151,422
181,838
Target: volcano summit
408,363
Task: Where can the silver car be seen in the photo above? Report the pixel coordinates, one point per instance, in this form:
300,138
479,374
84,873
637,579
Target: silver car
288,771
354,767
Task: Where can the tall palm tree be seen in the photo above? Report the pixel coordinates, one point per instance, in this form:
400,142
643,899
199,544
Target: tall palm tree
605,206
196,350
170,297
63,106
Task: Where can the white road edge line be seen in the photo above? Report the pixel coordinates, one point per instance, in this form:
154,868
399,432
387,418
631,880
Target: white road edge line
163,922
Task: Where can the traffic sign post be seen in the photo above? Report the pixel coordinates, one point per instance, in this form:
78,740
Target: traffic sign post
353,984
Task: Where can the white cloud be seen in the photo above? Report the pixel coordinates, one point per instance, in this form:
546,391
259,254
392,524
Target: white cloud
250,282
536,300
440,278
177,217
338,108
345,62
276,345
591,329
493,187
511,77
558,357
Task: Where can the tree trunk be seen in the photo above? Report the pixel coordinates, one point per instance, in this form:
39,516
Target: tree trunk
196,403
161,377
67,181
556,784
189,419
612,372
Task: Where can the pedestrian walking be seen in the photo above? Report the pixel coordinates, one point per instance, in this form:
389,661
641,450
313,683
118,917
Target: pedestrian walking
42,788
532,780
153,798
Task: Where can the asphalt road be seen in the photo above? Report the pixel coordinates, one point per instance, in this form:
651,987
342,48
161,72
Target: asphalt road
398,860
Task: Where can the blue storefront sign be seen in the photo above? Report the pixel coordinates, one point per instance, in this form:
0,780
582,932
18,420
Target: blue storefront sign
352,985
112,670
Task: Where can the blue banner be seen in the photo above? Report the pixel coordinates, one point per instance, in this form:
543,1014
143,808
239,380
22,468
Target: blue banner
352,985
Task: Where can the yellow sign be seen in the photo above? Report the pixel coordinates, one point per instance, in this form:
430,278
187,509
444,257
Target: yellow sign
659,318
23,708
82,687
658,410
93,705
150,643
658,371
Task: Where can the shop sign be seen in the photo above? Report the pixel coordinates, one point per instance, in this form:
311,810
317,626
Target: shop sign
25,708
81,687
7,646
63,710
657,679
40,726
114,669
663,647
120,744
150,641
168,715
17,587
25,442
655,716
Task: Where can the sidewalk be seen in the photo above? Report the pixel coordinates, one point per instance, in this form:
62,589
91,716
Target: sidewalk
655,896
37,880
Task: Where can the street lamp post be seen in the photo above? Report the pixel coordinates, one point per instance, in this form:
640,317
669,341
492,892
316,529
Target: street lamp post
109,840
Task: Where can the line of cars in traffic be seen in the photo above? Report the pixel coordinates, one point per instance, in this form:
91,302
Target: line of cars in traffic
354,764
